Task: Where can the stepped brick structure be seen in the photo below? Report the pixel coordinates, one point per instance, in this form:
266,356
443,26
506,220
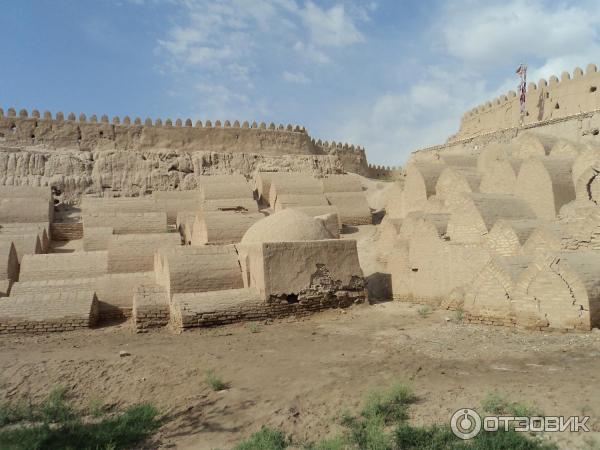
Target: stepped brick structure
518,244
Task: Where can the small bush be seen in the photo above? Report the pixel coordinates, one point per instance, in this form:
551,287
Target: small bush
441,438
512,440
215,383
424,311
54,424
367,433
14,413
382,408
265,439
495,403
96,408
382,425
391,405
55,408
335,443
253,327
459,315
409,437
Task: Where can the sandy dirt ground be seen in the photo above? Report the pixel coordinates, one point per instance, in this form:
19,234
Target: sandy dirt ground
301,375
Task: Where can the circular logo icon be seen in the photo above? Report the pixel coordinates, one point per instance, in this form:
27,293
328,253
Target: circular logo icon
465,423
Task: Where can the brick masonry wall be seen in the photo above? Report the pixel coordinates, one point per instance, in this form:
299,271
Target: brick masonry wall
150,308
276,308
66,231
28,316
512,322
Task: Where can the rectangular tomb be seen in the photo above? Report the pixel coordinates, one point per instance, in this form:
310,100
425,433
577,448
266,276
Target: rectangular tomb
63,311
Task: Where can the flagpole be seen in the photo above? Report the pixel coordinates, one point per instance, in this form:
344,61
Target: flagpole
522,72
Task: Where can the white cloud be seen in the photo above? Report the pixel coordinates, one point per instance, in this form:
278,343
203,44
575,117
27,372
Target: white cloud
236,44
311,53
223,54
479,48
427,113
241,29
330,27
295,77
501,31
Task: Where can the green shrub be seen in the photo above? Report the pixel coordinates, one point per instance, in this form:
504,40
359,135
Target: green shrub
55,408
335,443
459,315
383,425
54,424
96,408
265,439
424,311
441,438
391,405
14,413
215,383
498,404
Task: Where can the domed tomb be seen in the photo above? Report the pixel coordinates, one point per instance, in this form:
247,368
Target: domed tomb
288,225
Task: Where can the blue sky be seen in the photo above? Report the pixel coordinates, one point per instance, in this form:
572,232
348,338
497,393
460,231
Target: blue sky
391,75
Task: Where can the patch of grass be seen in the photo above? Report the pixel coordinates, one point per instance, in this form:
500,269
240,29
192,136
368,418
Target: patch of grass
459,315
253,327
96,408
366,432
436,437
382,424
496,403
335,443
265,439
391,405
14,413
55,408
409,437
214,381
381,409
54,425
424,311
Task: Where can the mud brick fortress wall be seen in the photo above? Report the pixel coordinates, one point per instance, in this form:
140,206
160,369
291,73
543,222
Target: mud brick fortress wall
573,96
81,154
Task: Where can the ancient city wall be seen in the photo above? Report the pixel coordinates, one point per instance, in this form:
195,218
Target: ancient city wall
78,154
83,134
556,98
